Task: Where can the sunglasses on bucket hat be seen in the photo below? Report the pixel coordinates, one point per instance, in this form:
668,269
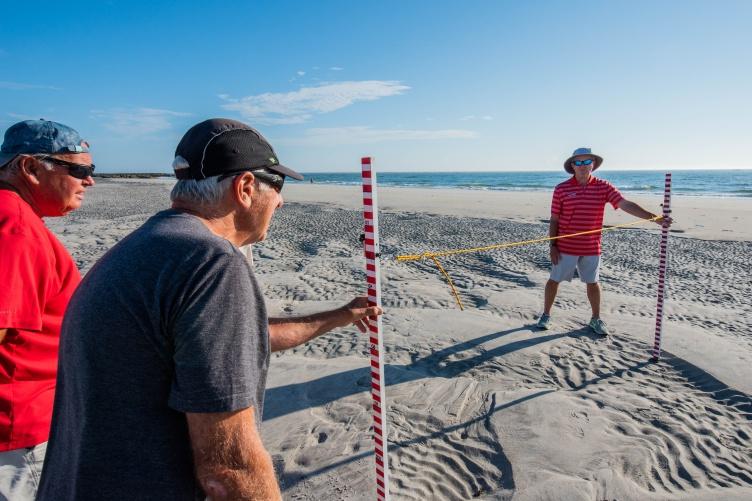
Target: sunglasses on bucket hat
581,163
79,171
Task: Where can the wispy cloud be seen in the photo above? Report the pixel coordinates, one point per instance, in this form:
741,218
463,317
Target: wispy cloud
366,135
25,86
336,68
299,106
21,116
136,121
298,74
474,117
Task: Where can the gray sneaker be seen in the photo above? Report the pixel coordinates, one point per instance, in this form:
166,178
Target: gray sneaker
598,326
544,322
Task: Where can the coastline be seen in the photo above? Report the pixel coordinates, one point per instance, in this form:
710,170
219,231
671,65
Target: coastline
708,218
695,216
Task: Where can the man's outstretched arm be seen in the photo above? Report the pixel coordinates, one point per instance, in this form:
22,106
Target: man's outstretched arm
637,211
231,461
285,333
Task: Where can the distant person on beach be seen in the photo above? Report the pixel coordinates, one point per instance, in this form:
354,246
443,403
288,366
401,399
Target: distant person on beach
578,205
45,168
166,344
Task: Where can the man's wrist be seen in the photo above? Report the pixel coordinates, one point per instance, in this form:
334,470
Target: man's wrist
341,317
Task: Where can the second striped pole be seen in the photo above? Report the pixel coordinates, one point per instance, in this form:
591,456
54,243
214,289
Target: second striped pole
662,271
376,344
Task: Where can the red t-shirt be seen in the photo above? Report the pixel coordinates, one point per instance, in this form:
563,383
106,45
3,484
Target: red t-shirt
580,208
37,279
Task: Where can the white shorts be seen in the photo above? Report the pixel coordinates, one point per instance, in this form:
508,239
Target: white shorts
588,268
20,471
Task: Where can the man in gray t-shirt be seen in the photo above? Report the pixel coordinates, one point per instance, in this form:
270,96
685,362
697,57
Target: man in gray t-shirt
165,345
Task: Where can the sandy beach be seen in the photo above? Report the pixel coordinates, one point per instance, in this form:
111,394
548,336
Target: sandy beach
482,405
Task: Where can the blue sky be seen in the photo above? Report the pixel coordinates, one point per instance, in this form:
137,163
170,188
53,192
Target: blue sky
419,85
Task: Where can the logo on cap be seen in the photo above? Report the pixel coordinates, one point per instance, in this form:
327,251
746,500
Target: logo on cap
180,163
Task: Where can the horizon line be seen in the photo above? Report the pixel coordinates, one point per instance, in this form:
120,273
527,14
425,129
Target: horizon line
388,171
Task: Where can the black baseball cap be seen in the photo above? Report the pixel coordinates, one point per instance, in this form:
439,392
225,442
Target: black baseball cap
223,146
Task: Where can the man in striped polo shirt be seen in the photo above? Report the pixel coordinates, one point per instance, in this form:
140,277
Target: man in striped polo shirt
578,205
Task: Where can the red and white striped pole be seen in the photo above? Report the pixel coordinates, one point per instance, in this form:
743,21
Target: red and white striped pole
371,245
662,271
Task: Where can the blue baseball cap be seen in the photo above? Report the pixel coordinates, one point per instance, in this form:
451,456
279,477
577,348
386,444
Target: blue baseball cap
40,136
582,151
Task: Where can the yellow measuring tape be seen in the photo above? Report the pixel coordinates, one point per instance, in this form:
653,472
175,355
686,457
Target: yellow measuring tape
434,255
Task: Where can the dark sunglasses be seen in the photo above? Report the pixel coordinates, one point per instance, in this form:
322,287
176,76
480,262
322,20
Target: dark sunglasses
79,171
276,181
580,163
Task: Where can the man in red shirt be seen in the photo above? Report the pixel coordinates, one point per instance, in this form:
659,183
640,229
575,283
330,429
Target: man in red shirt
578,205
45,168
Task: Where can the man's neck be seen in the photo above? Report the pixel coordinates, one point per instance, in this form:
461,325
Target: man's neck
582,181
22,192
5,185
222,226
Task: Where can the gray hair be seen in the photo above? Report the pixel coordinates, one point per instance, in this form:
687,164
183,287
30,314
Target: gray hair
202,192
14,166
205,192
9,168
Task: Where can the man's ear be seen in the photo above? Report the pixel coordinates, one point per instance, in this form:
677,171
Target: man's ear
29,168
244,189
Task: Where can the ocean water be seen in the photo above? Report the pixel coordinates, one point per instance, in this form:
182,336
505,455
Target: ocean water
725,183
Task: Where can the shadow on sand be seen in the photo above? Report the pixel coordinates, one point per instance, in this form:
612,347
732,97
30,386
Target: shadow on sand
286,399
708,384
290,398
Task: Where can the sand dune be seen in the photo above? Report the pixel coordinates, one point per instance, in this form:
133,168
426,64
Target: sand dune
481,404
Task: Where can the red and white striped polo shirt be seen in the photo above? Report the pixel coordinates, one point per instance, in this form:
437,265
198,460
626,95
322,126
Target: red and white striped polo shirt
580,208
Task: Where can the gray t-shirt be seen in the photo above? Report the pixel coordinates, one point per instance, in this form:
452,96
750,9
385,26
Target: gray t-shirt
171,320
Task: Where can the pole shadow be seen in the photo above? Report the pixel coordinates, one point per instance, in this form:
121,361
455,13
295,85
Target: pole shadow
294,397
290,479
333,387
710,385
